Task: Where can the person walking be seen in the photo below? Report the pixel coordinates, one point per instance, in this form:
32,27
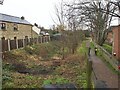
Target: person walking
96,50
89,51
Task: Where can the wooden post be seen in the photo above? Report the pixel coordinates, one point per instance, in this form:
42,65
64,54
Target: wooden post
8,44
89,72
29,41
41,39
17,43
49,38
37,40
23,43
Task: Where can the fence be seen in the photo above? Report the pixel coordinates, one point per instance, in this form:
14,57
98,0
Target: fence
8,45
109,58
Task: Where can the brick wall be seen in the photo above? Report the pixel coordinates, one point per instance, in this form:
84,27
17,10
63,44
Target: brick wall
116,41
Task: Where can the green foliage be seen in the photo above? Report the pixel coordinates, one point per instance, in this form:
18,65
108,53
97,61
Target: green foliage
92,45
61,80
108,48
29,49
29,77
52,32
82,49
45,50
56,80
6,75
8,85
47,82
82,80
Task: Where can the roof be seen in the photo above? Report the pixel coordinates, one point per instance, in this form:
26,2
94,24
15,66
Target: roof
36,29
14,19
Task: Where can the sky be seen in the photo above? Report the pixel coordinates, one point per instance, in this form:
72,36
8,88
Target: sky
34,11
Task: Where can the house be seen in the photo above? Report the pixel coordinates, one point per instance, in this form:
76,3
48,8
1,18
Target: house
116,41
12,27
36,31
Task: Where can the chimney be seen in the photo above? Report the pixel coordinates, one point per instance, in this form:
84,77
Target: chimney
23,18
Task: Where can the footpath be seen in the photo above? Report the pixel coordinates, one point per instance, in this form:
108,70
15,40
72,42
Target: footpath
102,72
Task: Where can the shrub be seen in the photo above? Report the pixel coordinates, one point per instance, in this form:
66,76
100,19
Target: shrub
6,77
47,82
29,49
61,80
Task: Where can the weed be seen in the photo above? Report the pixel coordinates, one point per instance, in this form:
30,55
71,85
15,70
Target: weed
47,82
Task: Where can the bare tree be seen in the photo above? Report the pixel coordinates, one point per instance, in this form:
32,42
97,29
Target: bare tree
96,15
72,37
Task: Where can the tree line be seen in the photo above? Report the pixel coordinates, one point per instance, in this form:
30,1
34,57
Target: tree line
95,15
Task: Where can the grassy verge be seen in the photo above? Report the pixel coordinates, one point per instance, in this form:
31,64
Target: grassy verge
107,48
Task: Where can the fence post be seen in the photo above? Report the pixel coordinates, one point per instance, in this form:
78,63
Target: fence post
17,43
89,73
23,43
37,40
41,39
8,44
28,41
49,38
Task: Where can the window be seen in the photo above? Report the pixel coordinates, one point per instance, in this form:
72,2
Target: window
15,27
15,38
3,38
3,26
26,37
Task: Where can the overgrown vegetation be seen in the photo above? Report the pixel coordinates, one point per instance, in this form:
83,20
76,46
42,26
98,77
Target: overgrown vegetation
37,65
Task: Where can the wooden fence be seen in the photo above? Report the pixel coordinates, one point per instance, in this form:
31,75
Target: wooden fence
8,45
109,58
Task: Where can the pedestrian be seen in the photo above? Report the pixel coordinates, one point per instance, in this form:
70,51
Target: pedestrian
96,50
89,51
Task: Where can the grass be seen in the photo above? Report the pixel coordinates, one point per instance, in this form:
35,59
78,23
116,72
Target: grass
107,48
82,49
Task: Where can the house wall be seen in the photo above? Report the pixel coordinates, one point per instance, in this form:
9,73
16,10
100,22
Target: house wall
116,43
23,30
34,34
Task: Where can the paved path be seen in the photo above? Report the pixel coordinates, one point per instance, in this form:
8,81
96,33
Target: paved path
102,72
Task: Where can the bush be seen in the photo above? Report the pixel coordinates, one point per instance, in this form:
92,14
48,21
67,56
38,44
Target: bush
45,50
6,75
29,49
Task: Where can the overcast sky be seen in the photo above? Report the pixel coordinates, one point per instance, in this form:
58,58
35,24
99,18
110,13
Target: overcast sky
34,11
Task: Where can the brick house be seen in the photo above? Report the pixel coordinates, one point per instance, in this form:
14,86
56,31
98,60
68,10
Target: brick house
116,41
12,27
